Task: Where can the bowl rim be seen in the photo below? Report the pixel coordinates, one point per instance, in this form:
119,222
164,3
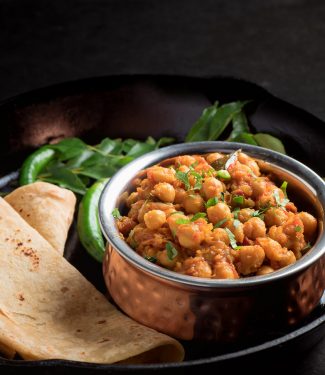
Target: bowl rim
114,188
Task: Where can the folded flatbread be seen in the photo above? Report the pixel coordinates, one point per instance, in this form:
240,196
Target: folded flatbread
47,208
49,310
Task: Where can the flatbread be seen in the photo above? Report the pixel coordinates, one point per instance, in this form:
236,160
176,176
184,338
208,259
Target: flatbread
47,208
49,310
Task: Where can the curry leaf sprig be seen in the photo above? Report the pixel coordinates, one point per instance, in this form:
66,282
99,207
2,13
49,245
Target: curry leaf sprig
215,120
75,164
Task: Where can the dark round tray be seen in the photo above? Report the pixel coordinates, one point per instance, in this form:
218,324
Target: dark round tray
139,106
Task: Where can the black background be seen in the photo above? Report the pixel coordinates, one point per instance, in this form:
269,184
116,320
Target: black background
278,44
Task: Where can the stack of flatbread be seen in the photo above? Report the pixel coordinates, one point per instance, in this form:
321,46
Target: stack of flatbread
47,308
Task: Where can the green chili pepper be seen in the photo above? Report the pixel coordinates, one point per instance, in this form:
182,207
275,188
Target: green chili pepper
88,226
34,164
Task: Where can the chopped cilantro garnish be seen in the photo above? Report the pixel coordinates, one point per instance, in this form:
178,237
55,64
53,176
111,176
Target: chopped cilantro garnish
183,177
232,239
181,220
116,214
238,199
222,196
283,187
171,251
223,174
235,212
236,223
199,215
279,202
298,228
211,202
198,180
151,259
219,223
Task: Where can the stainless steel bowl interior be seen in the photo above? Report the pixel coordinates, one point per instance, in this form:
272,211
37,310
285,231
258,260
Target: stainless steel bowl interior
306,185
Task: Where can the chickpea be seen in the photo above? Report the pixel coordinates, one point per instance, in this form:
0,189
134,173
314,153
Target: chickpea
189,235
154,219
180,195
132,198
245,214
237,229
254,227
165,192
197,267
278,255
164,260
277,234
218,212
172,221
258,186
310,224
211,187
193,203
185,160
213,157
264,270
275,216
250,259
219,234
161,174
148,206
251,163
223,269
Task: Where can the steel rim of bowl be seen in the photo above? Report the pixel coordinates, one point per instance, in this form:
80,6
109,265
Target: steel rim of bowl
118,183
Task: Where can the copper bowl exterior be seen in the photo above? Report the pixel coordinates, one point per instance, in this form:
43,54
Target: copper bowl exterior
189,308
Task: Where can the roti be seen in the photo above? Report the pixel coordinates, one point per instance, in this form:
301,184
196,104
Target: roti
47,208
49,310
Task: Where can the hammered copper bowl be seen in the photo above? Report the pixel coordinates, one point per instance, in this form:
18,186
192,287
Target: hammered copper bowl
189,308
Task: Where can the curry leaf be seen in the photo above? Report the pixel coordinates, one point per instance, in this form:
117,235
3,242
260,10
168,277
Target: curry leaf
65,178
270,142
69,148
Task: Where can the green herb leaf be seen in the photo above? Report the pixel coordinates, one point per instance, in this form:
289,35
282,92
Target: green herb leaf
307,247
151,259
270,142
211,202
213,122
164,141
139,149
283,187
279,202
183,177
232,239
116,214
200,130
198,179
298,228
222,196
171,251
219,223
198,215
98,171
69,148
64,178
239,126
238,199
182,221
247,138
223,174
235,212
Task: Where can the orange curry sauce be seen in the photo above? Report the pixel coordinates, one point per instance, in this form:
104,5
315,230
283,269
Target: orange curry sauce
215,216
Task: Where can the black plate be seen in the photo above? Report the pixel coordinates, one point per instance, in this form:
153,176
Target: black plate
138,106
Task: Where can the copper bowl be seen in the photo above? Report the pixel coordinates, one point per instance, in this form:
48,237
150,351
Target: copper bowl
189,308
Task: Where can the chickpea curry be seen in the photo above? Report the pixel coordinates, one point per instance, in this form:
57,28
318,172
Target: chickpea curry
215,216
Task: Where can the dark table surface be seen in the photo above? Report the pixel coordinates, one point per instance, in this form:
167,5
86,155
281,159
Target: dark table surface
278,44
